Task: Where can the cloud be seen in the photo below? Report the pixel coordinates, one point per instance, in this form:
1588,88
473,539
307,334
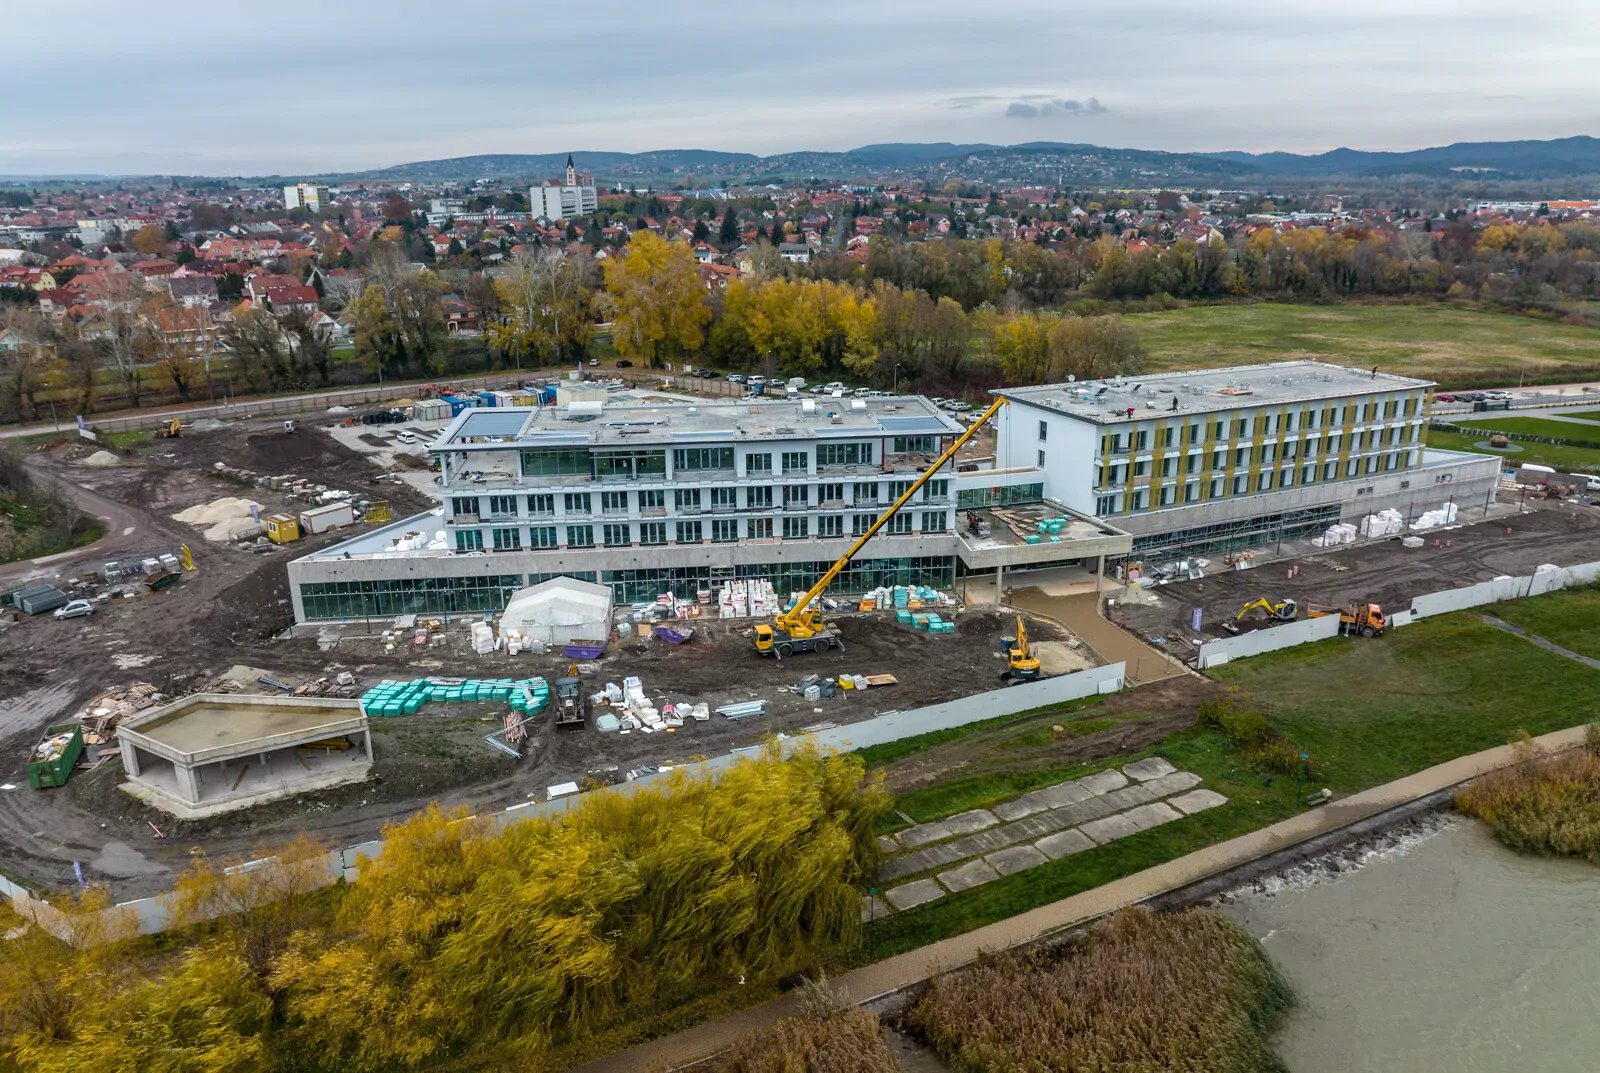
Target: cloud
963,103
1044,106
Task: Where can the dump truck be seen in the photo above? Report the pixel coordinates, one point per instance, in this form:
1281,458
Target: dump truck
1364,619
569,701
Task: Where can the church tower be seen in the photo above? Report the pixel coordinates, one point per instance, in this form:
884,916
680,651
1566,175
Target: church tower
572,172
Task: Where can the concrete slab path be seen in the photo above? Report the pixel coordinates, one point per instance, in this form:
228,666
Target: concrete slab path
903,970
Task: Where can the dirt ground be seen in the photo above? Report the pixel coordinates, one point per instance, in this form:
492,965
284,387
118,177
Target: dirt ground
233,610
1383,572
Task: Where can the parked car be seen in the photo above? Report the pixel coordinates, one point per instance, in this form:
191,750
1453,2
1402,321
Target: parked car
962,407
833,385
593,362
755,381
624,364
706,374
736,378
406,436
75,609
1443,397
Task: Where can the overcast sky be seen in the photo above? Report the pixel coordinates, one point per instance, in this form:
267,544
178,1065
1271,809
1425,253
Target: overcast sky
110,86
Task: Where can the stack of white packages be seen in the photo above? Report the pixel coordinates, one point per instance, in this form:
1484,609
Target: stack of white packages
1445,515
639,705
1343,533
483,638
746,599
1384,523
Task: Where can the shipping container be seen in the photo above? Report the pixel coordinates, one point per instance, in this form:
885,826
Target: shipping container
39,599
51,761
322,519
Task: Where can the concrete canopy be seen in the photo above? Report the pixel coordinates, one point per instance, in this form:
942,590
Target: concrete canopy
559,611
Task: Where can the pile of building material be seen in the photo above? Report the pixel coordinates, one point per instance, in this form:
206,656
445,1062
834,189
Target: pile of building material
1342,533
389,697
483,639
516,642
906,598
1384,523
101,459
416,540
754,598
635,711
225,519
1445,515
742,709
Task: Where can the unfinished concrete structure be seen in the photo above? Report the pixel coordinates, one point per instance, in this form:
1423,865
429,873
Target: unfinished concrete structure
210,753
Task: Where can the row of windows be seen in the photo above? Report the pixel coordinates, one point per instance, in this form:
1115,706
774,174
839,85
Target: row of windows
717,530
1247,484
543,504
1266,454
1189,434
437,596
642,463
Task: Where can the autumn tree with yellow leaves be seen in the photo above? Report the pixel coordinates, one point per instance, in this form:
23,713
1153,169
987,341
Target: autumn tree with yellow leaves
659,302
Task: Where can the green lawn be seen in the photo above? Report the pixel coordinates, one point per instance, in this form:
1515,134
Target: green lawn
1586,415
1368,711
1570,618
1565,459
1456,347
1530,426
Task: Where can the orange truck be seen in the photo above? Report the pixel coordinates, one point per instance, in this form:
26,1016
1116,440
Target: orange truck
1364,619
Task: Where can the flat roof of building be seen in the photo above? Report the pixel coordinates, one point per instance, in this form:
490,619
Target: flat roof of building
205,725
1237,387
680,424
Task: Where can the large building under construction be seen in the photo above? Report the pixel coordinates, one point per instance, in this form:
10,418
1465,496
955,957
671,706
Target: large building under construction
673,496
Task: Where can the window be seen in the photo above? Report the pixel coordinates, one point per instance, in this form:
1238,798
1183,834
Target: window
577,503
1191,464
1041,460
916,445
613,502
1286,478
1308,474
1239,484
900,523
724,531
1117,445
1191,493
860,523
1330,471
830,525
1218,429
1264,482
867,493
1167,494
760,528
1219,459
507,539
758,463
653,499
1216,487
1105,505
555,461
469,540
724,498
1444,478
1138,499
759,498
653,533
830,493
689,533
630,465
543,536
1364,491
1194,435
1241,428
1144,439
1166,466
502,505
936,489
795,462
1044,429
686,499
1166,436
1141,469
795,528
844,454
464,506
1240,455
616,536
935,521
688,458
542,504
796,495
580,536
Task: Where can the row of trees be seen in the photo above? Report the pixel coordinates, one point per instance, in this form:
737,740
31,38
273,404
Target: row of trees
458,938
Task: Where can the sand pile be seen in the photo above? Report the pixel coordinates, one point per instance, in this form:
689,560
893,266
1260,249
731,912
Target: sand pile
100,458
223,519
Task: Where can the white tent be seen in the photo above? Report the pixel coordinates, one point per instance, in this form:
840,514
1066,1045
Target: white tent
560,610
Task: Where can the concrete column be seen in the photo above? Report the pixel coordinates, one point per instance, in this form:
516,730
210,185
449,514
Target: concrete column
188,783
366,734
1099,575
999,584
130,759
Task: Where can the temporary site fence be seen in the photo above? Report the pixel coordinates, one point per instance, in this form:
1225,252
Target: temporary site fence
148,916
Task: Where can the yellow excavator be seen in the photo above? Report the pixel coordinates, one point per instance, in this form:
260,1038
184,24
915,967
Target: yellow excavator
1281,611
1021,664
173,430
801,629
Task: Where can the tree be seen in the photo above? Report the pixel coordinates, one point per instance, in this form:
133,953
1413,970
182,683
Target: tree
397,209
701,231
659,300
150,240
728,235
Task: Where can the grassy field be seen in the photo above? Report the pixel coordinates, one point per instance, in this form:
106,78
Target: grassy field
1367,711
1456,347
1530,426
1571,618
1565,459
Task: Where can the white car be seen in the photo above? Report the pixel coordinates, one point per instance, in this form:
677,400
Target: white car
833,386
75,609
755,381
406,437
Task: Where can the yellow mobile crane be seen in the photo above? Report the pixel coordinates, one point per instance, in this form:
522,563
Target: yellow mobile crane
801,629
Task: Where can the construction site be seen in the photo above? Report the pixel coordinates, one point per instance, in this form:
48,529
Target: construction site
189,598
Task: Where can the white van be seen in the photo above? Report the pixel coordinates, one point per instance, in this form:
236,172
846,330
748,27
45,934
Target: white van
1594,482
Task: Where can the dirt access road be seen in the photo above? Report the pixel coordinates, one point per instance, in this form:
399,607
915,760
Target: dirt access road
1383,572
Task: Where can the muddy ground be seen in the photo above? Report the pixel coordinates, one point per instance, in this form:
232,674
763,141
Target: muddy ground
233,609
1382,572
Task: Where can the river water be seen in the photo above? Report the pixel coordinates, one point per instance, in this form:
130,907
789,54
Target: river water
1441,951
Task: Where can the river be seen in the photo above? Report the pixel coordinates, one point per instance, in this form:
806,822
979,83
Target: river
1439,951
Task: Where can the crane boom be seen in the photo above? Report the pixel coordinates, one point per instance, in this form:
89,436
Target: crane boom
796,619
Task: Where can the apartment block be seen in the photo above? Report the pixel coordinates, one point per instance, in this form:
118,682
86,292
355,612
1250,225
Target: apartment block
313,196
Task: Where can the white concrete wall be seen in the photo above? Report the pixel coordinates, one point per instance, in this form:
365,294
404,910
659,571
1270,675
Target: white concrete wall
1069,447
1225,649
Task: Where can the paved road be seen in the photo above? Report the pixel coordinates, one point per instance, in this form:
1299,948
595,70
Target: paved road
904,970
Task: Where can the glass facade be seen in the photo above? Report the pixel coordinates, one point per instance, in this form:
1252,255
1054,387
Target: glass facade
1004,496
642,585
556,461
408,596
